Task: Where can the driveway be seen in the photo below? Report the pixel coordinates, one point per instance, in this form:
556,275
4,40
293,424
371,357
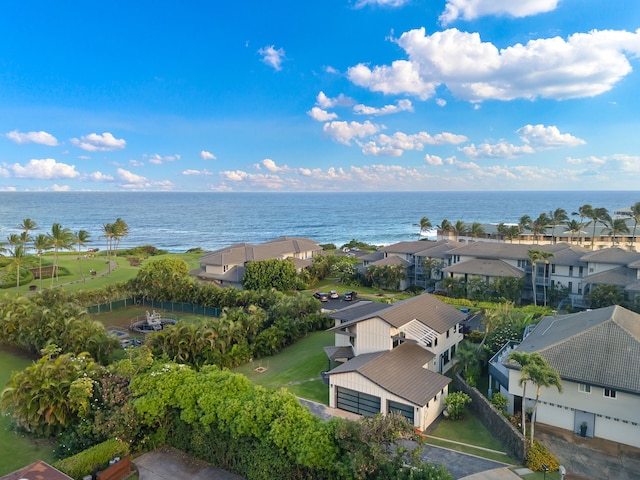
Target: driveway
168,463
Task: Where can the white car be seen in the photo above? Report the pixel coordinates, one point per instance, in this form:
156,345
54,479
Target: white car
333,294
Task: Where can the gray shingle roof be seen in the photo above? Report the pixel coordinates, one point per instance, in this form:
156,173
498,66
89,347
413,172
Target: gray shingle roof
358,310
485,266
407,247
400,371
599,347
425,308
620,276
392,260
612,255
509,251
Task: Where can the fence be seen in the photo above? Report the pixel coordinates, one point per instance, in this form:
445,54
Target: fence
182,307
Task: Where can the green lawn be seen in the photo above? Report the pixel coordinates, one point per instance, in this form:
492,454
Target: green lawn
17,450
297,368
468,430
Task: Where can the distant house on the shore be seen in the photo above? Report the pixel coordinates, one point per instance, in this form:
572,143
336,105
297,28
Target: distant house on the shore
225,267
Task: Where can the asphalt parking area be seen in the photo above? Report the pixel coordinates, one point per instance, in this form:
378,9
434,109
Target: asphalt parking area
168,463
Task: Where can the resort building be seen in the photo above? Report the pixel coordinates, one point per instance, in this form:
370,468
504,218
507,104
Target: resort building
225,267
392,357
597,354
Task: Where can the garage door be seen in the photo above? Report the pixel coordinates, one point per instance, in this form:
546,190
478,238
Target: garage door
357,402
405,410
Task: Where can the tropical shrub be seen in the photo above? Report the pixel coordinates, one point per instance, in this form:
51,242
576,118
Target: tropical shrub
456,403
499,401
93,459
537,455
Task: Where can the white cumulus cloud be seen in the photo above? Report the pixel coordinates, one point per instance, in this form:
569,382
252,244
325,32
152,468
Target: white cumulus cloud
272,56
400,106
327,102
321,115
497,150
472,9
541,137
583,65
382,3
95,142
99,177
45,169
130,178
344,132
204,155
43,138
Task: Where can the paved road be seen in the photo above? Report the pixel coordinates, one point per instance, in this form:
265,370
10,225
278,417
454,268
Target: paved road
168,463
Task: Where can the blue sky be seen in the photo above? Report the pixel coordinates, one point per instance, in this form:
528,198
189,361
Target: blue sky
329,95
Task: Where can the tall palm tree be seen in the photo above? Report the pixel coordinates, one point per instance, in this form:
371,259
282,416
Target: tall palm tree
501,230
584,212
557,217
523,359
635,212
538,226
599,214
41,243
534,258
445,226
541,374
61,239
512,232
618,226
524,221
108,235
18,254
476,230
27,226
545,256
425,224
459,228
81,238
574,228
121,230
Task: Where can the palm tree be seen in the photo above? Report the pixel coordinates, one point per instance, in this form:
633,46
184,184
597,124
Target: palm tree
445,226
501,230
574,228
425,224
545,256
534,257
635,211
41,244
538,226
596,215
27,226
108,231
584,212
523,359
541,374
121,230
17,252
524,221
81,238
512,232
618,226
476,230
459,228
61,239
557,217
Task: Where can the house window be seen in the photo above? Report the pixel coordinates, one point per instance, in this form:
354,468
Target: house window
448,332
453,350
571,271
570,286
445,357
553,268
609,393
580,270
579,289
225,268
584,388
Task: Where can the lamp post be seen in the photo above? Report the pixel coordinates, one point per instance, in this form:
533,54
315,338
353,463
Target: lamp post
546,469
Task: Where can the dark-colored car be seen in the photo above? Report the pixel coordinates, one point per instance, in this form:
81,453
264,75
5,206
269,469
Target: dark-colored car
350,296
322,296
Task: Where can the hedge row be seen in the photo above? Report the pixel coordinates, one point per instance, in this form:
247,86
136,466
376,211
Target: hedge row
93,459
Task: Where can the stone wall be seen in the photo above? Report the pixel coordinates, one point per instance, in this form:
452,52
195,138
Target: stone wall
493,420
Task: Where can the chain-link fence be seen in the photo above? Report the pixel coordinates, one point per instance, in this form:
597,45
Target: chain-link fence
183,307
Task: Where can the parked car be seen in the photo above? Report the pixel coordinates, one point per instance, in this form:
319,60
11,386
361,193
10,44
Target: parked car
322,296
350,296
334,295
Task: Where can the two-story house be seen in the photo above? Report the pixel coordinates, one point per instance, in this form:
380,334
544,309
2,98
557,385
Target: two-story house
597,354
394,357
226,266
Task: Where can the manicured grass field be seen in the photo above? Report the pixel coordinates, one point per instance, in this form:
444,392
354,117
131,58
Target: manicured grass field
17,450
297,368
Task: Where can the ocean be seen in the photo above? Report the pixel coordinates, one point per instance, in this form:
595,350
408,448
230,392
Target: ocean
178,221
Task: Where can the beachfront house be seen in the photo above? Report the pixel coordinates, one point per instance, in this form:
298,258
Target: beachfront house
225,267
597,354
392,357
